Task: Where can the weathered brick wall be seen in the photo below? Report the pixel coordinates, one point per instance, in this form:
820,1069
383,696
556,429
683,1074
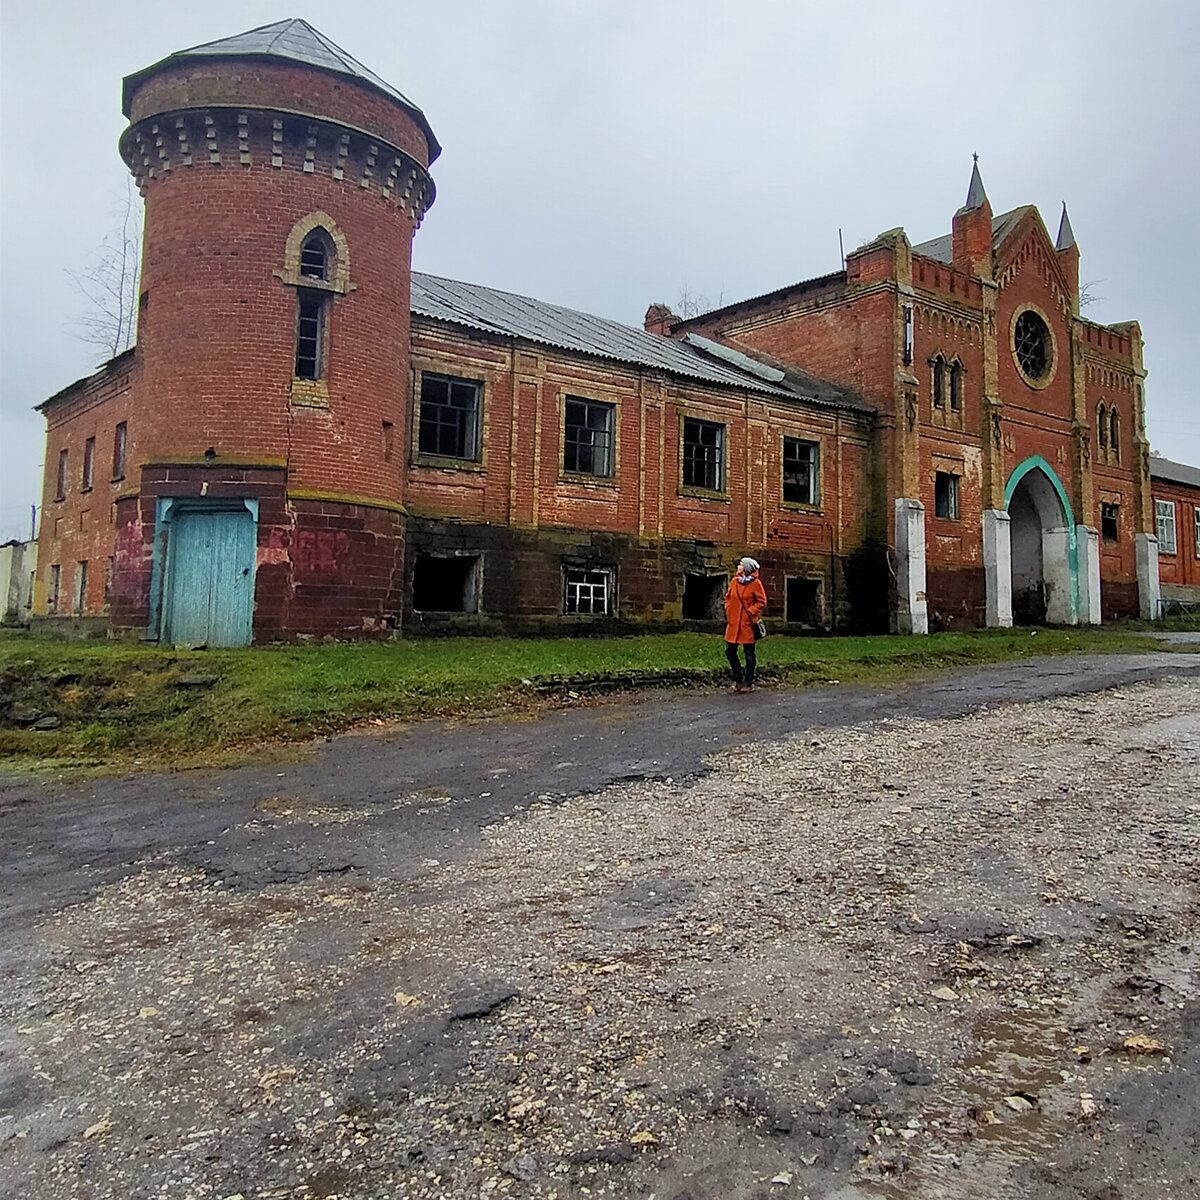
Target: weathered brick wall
1181,569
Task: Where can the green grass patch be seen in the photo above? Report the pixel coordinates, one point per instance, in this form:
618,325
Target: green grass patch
122,705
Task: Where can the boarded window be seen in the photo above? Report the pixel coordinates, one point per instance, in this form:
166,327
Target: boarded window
801,461
446,584
588,593
704,597
588,437
450,411
703,454
945,496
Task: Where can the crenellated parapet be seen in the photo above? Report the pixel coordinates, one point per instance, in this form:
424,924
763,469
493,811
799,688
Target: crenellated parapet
264,139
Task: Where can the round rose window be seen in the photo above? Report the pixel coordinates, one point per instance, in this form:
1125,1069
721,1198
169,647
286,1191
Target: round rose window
1031,341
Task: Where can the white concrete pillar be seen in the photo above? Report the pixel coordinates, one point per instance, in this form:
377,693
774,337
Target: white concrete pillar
997,567
1087,542
912,613
1056,572
1149,592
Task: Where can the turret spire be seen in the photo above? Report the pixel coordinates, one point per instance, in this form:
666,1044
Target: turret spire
1066,235
976,196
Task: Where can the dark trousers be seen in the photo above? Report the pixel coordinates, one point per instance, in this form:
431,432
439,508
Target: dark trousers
731,653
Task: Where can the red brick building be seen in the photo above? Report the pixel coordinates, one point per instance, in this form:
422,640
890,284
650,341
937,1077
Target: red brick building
308,438
1176,491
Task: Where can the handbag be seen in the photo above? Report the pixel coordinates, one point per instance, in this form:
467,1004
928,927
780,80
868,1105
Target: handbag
760,630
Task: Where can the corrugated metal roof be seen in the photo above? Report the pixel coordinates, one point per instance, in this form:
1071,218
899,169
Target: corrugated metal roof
507,315
297,41
1173,472
942,248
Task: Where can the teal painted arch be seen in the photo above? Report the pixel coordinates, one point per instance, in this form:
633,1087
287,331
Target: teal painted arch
1035,462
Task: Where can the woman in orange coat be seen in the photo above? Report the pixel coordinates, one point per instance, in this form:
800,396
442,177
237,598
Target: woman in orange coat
745,603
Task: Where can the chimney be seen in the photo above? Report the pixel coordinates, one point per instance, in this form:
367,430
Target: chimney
972,236
659,319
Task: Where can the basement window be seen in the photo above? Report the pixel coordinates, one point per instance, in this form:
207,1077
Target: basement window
945,496
446,584
802,599
1108,522
703,597
588,593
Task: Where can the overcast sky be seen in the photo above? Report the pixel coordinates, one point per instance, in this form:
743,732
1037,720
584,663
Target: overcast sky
604,155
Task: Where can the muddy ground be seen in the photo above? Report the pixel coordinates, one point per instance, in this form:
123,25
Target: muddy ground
933,941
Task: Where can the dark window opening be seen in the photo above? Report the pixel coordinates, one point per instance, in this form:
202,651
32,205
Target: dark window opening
449,417
939,383
1031,340
908,333
588,437
1108,522
704,597
956,377
588,593
1102,428
314,256
89,464
1114,434
446,585
801,461
945,496
52,591
108,580
119,439
802,599
60,489
703,454
310,334
81,582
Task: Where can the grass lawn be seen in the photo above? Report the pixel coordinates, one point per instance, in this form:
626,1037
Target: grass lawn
123,705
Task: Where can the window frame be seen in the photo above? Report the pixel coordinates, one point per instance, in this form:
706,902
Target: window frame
1110,512
87,473
938,386
1196,522
952,492
956,387
589,403
814,471
53,588
437,457
81,582
717,457
1164,522
64,465
120,448
603,576
319,303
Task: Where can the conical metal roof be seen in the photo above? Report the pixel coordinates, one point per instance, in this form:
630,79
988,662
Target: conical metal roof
293,40
1066,235
976,196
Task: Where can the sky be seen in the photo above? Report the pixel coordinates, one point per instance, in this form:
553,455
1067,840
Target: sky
605,155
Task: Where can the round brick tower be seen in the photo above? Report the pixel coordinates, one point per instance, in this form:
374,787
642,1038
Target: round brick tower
283,182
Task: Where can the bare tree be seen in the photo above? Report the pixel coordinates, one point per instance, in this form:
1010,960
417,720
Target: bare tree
695,304
110,281
1088,294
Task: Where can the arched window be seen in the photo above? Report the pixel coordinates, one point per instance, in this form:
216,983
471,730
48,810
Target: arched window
939,382
316,264
1102,427
314,255
1114,434
956,385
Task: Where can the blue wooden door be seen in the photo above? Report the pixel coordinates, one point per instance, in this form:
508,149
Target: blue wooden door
210,583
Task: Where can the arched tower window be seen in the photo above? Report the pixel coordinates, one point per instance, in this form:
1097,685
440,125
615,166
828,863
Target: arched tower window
314,255
1102,428
1114,434
956,387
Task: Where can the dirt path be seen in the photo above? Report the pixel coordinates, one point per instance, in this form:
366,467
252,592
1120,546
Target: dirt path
927,943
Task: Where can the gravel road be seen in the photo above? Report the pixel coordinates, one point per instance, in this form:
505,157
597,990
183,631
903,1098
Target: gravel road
936,941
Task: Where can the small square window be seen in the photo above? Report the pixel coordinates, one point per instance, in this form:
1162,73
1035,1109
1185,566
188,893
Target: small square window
703,454
945,496
801,462
450,411
588,437
1109,524
588,592
1164,511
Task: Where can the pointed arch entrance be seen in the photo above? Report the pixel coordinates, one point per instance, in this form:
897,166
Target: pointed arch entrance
1044,551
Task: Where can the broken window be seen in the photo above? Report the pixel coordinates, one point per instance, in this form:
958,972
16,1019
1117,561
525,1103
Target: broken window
703,597
802,601
1164,512
1109,514
801,461
588,592
81,581
119,439
945,496
588,437
450,410
89,464
60,489
446,584
703,454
